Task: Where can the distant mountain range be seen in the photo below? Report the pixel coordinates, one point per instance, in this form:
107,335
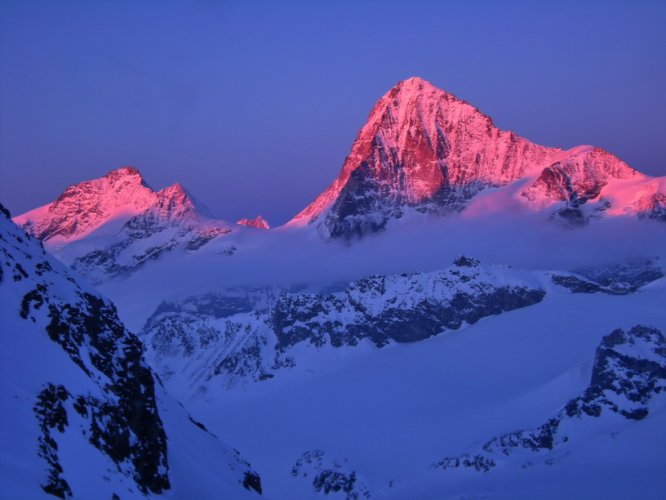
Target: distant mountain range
421,151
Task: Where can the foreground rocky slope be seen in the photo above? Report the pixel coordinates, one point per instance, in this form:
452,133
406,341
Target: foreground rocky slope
81,408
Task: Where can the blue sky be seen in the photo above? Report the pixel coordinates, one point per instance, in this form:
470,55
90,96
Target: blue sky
253,105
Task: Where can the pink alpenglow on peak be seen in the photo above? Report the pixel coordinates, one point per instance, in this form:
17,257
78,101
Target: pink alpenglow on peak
257,223
119,197
419,139
423,149
114,225
84,207
174,203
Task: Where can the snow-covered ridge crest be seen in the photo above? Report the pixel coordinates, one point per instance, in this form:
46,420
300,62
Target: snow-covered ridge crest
231,337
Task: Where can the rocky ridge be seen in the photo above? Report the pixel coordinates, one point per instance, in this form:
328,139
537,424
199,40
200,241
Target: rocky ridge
247,335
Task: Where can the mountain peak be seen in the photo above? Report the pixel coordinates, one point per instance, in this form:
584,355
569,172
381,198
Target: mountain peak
414,83
123,171
182,201
119,194
422,144
411,95
424,149
257,223
175,190
413,90
174,203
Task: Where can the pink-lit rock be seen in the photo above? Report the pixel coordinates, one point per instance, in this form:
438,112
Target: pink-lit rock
257,223
424,149
84,207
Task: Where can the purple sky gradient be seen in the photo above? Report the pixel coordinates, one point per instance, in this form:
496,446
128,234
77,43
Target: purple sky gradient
253,106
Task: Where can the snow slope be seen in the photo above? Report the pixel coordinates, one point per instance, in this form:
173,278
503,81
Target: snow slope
324,410
386,416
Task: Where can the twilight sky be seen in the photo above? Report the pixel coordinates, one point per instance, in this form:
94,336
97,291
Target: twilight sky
254,105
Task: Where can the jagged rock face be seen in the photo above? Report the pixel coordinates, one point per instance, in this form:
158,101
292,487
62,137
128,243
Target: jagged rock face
628,376
579,178
423,149
420,147
404,308
257,223
250,335
629,371
120,417
172,205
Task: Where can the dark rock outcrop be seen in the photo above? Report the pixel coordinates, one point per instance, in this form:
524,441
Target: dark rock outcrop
330,476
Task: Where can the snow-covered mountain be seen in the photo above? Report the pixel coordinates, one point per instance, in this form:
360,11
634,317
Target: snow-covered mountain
424,150
113,225
84,207
83,415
